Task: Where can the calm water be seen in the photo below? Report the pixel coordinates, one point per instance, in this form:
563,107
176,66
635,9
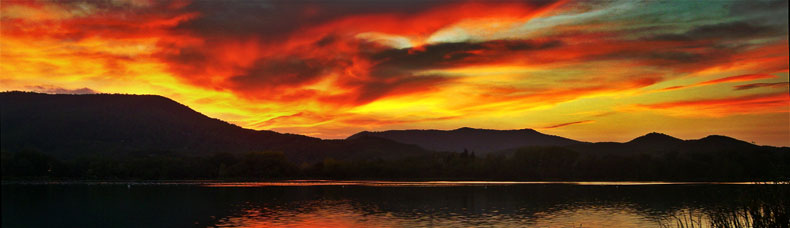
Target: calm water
365,204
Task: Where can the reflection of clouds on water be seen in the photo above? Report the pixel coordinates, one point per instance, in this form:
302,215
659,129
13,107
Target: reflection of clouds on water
330,204
320,213
346,214
469,206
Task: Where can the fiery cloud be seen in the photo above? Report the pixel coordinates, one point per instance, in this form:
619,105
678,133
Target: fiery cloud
568,124
329,69
762,85
739,78
760,103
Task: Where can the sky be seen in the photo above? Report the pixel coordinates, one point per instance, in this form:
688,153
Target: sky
588,70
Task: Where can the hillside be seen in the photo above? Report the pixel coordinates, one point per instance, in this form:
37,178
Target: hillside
111,124
660,144
480,141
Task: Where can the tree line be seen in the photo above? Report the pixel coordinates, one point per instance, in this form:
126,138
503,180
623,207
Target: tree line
533,163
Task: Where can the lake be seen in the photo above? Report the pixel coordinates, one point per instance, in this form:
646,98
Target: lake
375,203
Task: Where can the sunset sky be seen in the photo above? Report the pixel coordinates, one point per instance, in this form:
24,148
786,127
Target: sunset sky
587,70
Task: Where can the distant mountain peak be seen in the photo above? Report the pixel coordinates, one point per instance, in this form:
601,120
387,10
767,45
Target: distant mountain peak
530,130
473,139
722,139
471,129
655,137
718,137
468,129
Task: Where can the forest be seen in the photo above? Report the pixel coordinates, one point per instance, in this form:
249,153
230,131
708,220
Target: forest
527,164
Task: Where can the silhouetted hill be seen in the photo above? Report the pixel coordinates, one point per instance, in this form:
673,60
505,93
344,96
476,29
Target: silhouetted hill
660,157
480,141
718,143
113,124
651,142
110,136
655,138
658,144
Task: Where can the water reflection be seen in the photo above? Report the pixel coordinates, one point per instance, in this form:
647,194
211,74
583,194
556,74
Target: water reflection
370,204
346,214
454,183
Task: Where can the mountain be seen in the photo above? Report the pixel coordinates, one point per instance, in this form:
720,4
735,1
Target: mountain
654,138
653,142
112,136
113,124
480,141
662,144
718,143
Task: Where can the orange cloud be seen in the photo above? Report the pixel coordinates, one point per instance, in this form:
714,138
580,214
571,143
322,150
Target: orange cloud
738,78
567,124
762,85
331,68
350,71
717,107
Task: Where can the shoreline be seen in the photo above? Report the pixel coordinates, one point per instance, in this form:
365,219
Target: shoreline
382,183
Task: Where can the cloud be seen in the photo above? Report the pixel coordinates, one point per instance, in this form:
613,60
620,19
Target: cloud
74,21
443,55
59,90
726,31
761,85
567,124
326,67
717,107
737,78
352,54
326,59
275,19
271,73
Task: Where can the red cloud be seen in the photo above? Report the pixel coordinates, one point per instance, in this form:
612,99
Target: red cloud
320,59
280,67
751,104
738,78
761,85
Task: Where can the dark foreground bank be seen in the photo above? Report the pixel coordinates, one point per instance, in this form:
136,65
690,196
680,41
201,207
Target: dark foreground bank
441,205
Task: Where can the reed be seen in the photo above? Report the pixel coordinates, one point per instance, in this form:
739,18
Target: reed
765,208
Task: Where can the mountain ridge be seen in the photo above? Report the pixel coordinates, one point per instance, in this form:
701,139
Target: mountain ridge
111,124
115,123
105,136
480,141
653,141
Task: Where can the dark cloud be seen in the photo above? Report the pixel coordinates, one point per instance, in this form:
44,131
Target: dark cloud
759,8
732,30
270,49
327,40
270,73
567,124
371,91
275,18
762,85
724,31
298,43
280,78
678,58
395,62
